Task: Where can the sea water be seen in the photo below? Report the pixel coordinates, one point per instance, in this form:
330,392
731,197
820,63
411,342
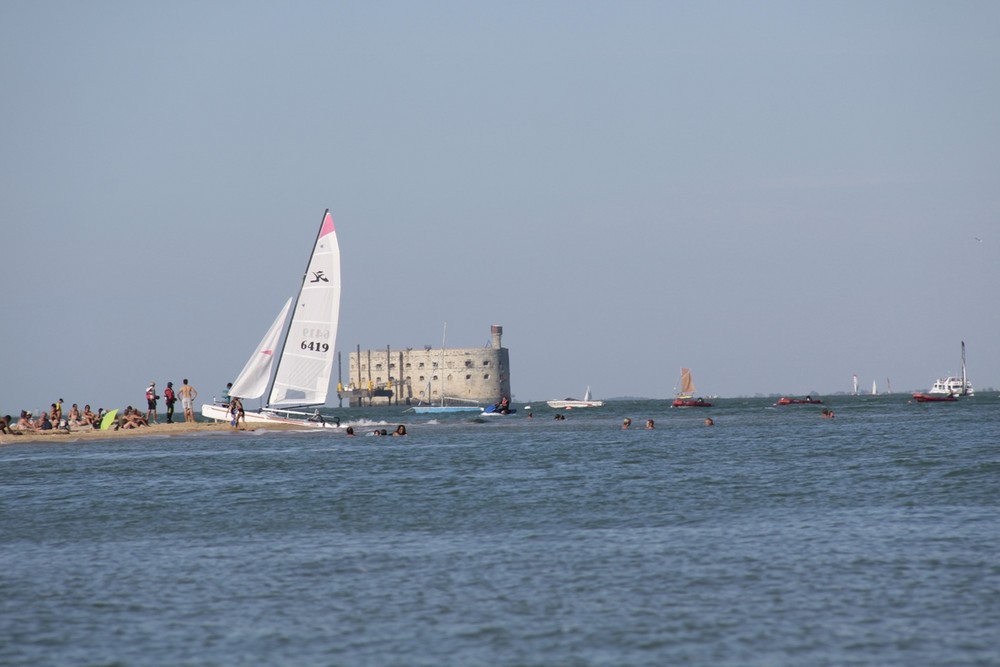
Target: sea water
774,537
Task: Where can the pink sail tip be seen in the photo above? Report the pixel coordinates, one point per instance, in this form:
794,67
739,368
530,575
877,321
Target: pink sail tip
327,227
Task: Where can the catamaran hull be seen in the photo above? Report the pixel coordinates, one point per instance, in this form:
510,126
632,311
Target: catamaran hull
219,413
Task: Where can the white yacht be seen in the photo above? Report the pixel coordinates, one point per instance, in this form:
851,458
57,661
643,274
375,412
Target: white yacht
957,386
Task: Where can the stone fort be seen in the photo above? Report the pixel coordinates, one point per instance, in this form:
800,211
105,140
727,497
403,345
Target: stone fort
454,376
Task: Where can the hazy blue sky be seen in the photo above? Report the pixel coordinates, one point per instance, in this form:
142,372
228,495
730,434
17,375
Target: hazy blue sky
776,194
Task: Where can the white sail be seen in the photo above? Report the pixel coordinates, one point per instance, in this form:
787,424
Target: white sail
874,389
306,362
252,380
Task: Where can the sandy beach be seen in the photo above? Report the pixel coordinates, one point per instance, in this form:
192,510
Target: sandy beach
159,430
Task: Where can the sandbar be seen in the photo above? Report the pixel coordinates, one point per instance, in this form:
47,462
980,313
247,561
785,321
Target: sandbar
159,430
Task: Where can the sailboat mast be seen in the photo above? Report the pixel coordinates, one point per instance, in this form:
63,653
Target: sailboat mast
444,337
965,388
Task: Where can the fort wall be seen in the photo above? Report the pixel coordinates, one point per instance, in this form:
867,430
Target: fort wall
429,375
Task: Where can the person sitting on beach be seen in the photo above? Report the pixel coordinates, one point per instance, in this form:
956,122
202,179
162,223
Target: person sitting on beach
56,413
5,426
89,418
400,430
74,416
43,423
25,423
131,418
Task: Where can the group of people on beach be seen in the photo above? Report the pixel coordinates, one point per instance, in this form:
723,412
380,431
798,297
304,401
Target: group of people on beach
52,419
56,419
186,393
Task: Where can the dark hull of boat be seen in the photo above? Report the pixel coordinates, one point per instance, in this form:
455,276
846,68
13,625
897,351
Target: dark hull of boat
690,403
798,401
930,398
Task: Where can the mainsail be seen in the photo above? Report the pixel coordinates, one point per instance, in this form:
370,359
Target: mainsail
252,380
306,362
687,384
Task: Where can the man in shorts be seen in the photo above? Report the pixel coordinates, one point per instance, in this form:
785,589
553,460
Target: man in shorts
188,394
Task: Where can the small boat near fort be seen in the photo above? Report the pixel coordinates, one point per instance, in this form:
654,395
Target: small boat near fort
569,403
301,353
448,404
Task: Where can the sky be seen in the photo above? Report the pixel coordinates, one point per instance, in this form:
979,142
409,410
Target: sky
778,195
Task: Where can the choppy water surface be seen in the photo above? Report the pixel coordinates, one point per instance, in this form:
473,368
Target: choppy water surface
774,537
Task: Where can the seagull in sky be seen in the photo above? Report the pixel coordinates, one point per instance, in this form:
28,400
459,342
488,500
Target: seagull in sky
978,239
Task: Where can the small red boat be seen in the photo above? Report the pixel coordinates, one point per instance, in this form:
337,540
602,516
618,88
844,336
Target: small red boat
690,403
934,398
796,401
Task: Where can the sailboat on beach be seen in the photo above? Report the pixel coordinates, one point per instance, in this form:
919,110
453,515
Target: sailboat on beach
300,348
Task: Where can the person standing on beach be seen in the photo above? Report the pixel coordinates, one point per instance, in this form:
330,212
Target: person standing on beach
170,398
151,399
188,394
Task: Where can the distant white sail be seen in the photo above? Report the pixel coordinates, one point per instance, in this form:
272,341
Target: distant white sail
306,362
252,380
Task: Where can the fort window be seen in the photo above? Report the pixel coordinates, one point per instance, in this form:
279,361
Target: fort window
468,363
468,377
486,363
486,377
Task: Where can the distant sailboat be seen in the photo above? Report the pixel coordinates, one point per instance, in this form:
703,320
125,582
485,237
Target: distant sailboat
685,397
855,390
687,385
874,389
